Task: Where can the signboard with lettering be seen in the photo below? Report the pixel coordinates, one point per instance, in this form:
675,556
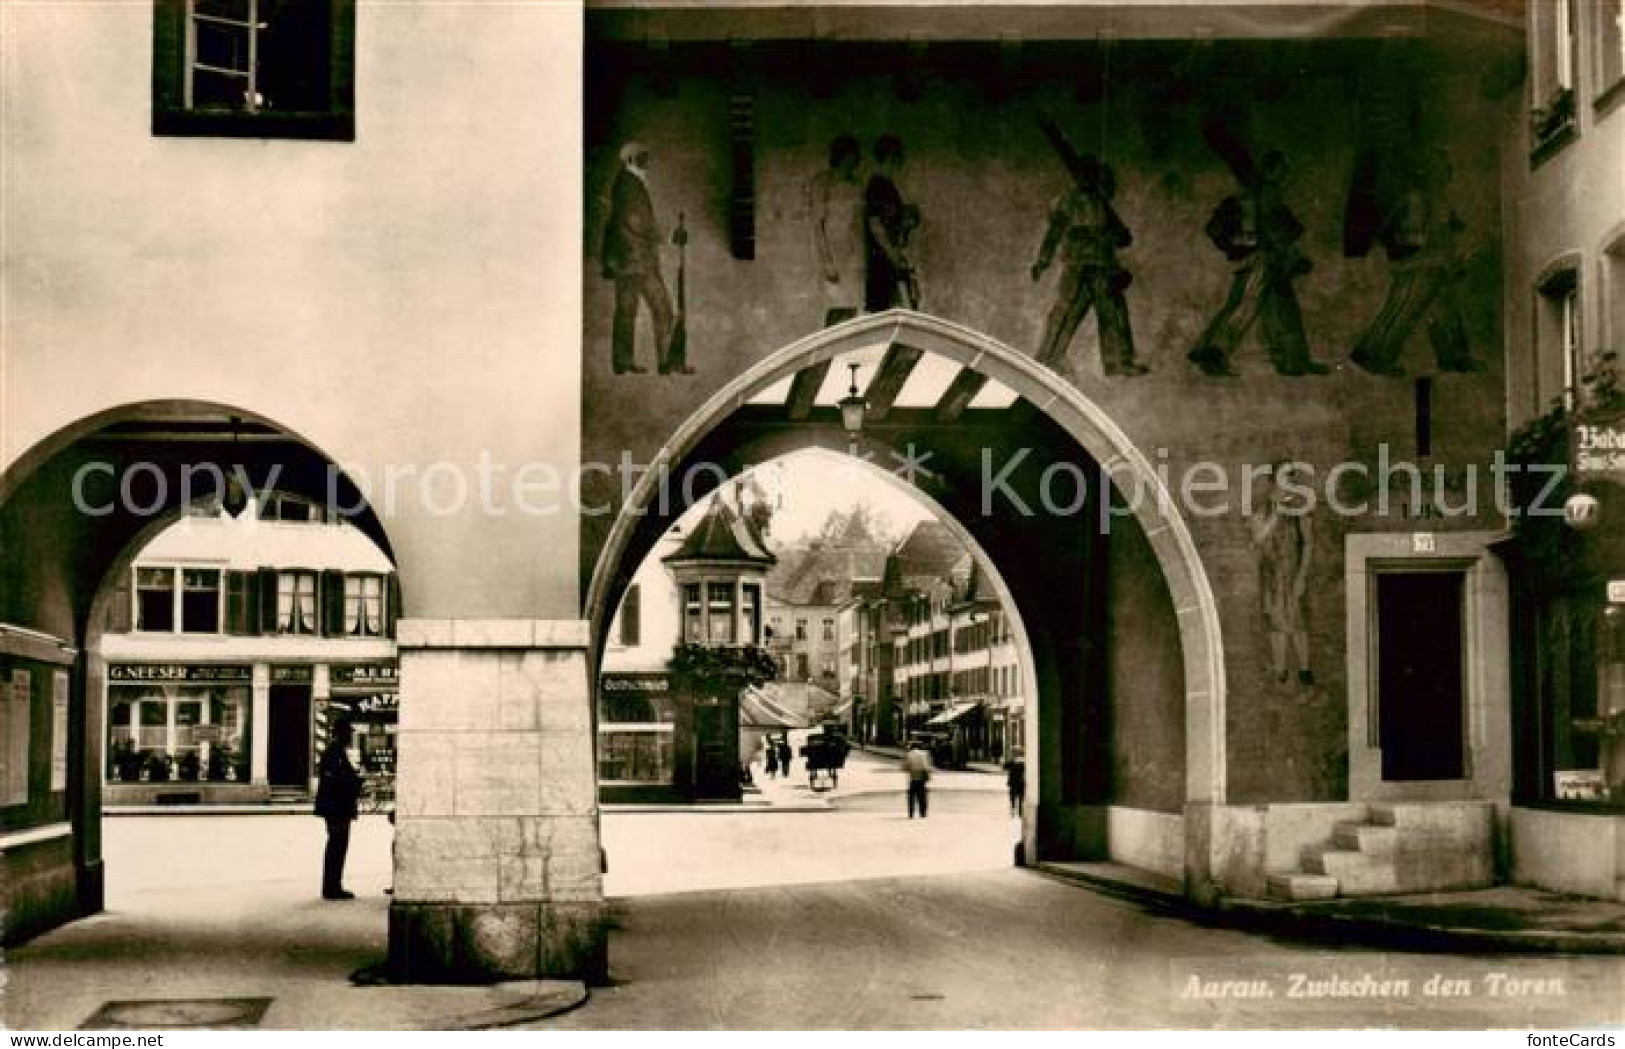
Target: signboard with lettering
59,730
365,675
14,784
1599,450
181,672
296,675
634,698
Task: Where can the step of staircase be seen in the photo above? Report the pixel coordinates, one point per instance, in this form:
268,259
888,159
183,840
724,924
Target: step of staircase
1357,873
1369,838
1296,886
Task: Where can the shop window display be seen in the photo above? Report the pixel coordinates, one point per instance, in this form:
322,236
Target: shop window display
178,734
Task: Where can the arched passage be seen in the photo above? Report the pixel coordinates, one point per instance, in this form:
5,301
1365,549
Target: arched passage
74,512
709,436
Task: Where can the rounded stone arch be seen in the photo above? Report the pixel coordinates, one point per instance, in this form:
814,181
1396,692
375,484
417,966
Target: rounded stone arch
1152,507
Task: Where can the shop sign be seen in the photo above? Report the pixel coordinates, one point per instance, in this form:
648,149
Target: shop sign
366,675
206,733
177,672
634,682
383,703
1599,449
300,675
1616,591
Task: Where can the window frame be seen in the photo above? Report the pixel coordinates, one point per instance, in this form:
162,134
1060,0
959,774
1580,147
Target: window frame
171,112
355,590
1608,31
295,618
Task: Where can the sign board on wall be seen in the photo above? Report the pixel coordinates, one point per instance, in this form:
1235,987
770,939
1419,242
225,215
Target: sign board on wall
178,672
59,730
369,676
1599,450
16,737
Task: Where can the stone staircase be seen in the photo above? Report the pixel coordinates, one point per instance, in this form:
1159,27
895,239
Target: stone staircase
1398,848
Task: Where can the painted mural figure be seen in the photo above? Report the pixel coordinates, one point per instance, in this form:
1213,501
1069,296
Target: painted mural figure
888,223
1420,234
1258,232
631,258
1283,538
1087,230
835,199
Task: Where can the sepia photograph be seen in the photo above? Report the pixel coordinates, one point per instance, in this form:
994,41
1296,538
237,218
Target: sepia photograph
856,516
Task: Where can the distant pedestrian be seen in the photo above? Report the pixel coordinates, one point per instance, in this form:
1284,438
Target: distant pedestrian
1015,779
917,764
772,759
338,789
784,757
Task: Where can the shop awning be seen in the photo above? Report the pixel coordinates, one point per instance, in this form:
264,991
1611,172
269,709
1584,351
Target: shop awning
955,712
759,710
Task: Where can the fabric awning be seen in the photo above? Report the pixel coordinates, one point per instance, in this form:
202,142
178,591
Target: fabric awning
758,710
956,712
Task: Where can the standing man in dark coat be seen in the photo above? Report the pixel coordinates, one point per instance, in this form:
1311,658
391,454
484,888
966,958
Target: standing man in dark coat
338,788
631,258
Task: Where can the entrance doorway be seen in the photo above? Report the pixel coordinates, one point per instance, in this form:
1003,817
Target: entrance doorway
1419,657
288,761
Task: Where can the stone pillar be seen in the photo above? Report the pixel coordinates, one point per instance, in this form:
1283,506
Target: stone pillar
259,711
497,858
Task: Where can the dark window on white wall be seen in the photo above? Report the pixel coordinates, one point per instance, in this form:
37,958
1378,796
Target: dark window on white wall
155,599
631,616
254,68
200,600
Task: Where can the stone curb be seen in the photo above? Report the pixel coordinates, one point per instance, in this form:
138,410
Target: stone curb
1372,930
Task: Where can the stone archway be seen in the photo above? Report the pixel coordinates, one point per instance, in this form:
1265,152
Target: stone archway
1092,429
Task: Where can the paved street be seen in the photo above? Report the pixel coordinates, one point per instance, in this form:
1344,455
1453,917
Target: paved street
851,917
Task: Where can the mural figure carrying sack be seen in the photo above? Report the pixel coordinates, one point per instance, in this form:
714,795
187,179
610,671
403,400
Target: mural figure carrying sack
1257,232
1419,234
1087,230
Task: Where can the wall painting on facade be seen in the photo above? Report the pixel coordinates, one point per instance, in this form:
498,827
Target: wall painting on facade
631,257
1283,538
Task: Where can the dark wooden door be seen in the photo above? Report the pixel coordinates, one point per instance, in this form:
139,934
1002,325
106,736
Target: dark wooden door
288,757
1420,697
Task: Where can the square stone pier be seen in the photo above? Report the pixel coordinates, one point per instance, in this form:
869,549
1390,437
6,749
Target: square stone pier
498,868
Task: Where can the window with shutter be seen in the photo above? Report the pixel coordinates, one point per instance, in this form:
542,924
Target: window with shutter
333,603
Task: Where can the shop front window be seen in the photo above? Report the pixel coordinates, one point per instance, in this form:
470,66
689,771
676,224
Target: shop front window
635,733
1580,684
183,734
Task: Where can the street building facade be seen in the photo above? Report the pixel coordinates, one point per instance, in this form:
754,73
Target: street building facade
233,644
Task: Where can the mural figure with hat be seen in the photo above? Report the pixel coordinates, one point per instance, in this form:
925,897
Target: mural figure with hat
1086,229
631,258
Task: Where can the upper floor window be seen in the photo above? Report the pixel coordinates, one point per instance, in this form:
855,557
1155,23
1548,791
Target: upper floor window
1559,331
188,597
296,602
631,626
364,605
254,68
801,630
829,630
1610,37
1555,51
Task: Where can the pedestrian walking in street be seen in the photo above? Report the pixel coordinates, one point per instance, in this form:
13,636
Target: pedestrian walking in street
772,759
917,765
338,789
1015,779
784,757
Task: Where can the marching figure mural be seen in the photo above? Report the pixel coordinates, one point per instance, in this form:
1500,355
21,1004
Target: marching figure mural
888,223
1258,232
1283,537
1087,230
1420,234
631,258
835,200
